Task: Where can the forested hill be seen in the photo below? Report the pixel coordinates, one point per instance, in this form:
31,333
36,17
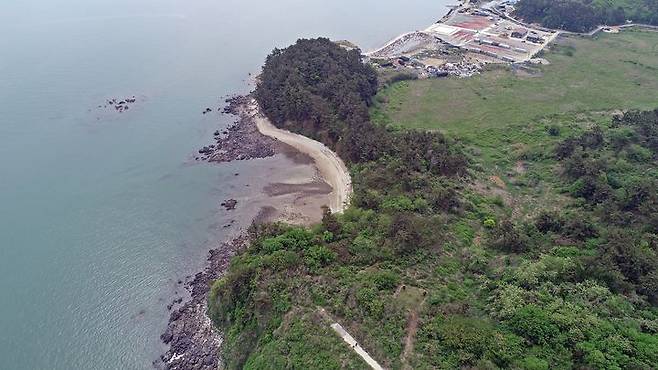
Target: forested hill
430,268
316,88
406,183
320,90
585,15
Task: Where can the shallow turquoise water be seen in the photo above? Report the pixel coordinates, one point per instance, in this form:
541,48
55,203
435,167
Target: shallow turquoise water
101,213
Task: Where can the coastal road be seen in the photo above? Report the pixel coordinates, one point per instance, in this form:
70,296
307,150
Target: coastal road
331,167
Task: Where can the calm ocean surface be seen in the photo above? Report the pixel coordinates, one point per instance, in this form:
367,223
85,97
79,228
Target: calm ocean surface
100,212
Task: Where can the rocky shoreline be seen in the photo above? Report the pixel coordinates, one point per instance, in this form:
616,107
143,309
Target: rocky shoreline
119,104
241,141
194,342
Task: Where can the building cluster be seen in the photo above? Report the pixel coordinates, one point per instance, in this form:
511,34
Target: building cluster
481,34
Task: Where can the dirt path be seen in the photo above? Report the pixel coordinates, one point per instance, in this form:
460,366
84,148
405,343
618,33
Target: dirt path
412,328
331,167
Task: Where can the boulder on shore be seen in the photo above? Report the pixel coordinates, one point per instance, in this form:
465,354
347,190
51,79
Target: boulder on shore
229,204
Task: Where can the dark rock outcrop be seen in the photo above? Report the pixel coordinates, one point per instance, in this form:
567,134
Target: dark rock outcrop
241,141
229,204
193,341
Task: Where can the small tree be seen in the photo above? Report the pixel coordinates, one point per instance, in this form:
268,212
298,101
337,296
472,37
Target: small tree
506,237
329,221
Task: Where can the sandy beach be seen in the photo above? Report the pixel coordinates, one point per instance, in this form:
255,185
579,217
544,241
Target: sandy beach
332,169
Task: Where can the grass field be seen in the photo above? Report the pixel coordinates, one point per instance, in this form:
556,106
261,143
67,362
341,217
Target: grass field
510,119
609,72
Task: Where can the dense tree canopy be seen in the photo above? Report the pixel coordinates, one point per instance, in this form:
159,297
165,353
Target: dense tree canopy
597,170
585,15
321,90
316,88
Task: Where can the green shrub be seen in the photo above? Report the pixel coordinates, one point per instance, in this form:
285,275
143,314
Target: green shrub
272,245
318,256
554,130
328,236
368,299
281,260
467,338
534,324
397,204
365,250
505,348
467,334
402,76
294,239
638,154
532,363
386,280
508,237
549,222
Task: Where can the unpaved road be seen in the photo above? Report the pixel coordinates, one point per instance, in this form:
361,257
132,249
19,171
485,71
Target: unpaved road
331,167
412,329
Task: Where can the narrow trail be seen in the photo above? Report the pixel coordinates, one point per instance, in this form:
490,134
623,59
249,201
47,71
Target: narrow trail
331,167
412,329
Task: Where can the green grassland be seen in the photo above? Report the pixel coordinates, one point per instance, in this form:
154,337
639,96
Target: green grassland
611,71
507,115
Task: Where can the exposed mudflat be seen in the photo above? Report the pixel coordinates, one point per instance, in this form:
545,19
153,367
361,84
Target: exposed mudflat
332,169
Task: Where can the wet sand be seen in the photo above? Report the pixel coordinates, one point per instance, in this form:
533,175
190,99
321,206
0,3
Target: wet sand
331,168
